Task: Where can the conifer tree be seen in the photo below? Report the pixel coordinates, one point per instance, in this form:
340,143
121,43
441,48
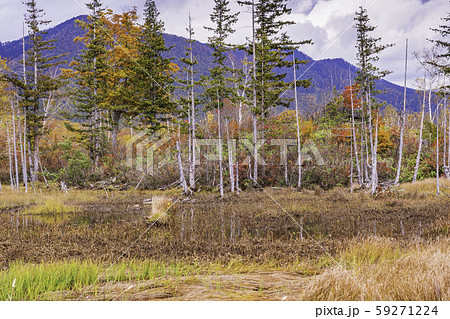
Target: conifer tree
154,81
37,88
218,87
270,48
368,50
444,44
191,101
90,77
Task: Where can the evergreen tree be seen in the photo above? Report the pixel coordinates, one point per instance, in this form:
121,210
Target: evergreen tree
444,31
37,89
90,70
154,81
191,101
367,54
270,48
368,50
218,86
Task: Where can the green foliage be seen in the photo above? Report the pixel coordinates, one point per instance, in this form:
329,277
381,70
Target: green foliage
335,113
90,77
273,47
429,131
37,281
77,165
444,31
154,82
368,50
38,88
217,85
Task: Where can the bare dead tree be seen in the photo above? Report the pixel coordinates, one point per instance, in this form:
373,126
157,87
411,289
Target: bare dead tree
403,120
255,118
24,151
219,118
230,158
299,149
16,164
186,190
416,169
355,143
11,172
437,154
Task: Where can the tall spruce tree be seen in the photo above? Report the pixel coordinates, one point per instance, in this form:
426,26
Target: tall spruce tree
189,103
90,77
444,44
368,50
270,47
154,81
37,87
218,87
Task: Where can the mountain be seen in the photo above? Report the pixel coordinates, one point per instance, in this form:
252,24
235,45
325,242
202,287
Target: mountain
327,75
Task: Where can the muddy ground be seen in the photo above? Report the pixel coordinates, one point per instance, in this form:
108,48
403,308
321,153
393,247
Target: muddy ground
255,227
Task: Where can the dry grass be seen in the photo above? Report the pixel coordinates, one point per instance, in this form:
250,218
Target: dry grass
249,234
423,188
160,205
379,269
48,199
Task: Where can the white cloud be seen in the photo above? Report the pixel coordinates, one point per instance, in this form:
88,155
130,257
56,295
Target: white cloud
395,21
327,22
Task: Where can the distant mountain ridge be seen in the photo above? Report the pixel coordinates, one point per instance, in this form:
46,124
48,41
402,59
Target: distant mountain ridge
327,75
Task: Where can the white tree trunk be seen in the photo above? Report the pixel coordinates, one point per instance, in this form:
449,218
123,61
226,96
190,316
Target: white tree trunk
299,148
351,165
220,146
416,169
36,139
22,157
375,161
373,149
11,173
444,151
24,154
230,159
429,102
445,101
192,113
355,144
255,119
403,120
437,153
16,162
363,149
180,168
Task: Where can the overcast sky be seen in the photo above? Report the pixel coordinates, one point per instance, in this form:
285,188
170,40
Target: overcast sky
327,22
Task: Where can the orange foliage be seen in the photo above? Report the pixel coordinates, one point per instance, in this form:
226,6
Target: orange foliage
347,94
342,133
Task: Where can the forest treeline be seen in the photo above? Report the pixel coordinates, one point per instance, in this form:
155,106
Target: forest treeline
74,125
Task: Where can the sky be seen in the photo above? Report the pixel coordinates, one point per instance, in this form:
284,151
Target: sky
328,23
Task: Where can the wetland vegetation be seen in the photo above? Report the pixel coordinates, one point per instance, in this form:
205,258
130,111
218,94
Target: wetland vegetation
265,244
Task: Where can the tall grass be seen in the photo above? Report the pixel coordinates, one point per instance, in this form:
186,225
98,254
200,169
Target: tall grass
46,200
33,282
382,270
424,188
160,205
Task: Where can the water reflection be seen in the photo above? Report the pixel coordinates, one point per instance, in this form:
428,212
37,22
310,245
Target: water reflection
224,223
